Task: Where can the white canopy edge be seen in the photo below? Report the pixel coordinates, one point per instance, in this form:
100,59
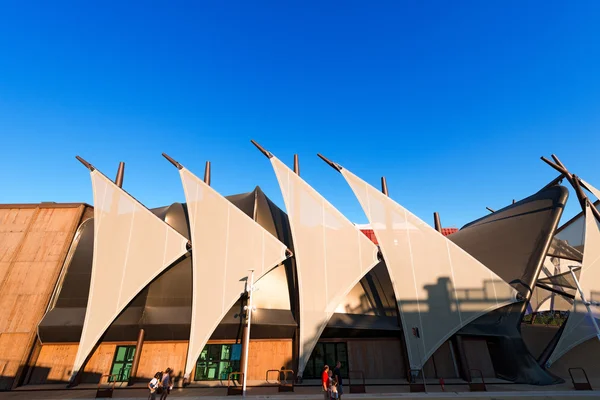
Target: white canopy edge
439,287
132,246
226,244
332,255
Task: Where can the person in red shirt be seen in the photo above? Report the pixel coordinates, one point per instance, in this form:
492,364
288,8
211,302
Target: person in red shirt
325,381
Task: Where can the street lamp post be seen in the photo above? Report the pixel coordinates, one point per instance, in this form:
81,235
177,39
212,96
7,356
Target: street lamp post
249,308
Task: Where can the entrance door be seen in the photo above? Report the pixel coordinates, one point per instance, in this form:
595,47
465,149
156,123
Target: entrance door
121,366
327,354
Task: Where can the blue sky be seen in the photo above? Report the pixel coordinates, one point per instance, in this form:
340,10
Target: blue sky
454,102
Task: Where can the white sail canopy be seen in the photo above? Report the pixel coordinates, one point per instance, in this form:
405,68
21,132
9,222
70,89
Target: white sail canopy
131,247
439,287
579,325
332,255
226,243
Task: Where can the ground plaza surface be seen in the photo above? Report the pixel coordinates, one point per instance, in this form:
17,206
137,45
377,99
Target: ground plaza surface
495,392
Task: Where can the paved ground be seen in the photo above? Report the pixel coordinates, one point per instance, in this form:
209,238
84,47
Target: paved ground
310,393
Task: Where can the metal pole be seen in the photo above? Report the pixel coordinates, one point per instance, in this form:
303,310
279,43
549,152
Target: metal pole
207,173
296,165
136,357
587,304
120,174
436,222
384,188
247,339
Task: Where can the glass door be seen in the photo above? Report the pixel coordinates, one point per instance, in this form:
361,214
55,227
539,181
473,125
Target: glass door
121,366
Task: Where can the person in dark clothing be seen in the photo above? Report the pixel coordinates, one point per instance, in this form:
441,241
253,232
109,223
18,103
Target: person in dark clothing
337,377
166,383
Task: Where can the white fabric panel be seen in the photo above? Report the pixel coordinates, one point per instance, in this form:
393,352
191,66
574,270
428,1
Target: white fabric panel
331,255
579,326
439,287
131,247
226,243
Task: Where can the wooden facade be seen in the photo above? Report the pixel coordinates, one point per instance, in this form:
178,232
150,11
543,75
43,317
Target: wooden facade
376,358
34,241
55,361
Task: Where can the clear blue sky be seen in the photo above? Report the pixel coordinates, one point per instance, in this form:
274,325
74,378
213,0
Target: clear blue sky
454,102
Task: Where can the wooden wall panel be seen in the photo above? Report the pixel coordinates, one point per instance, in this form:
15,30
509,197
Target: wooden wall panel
13,226
378,359
33,244
100,363
478,357
584,355
55,363
157,356
441,364
11,352
264,355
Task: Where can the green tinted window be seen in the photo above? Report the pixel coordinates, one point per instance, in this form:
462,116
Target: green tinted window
122,362
215,363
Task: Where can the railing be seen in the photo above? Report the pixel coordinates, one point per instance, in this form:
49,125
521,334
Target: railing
414,386
477,386
235,390
580,385
284,385
105,392
357,387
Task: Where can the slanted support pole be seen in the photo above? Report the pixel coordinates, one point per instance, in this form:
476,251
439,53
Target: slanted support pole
296,165
330,163
85,163
585,302
262,149
490,210
384,187
436,222
207,173
136,357
120,175
575,183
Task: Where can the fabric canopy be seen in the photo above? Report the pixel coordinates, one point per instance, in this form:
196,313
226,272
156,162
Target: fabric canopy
332,255
439,287
131,247
226,244
579,325
563,280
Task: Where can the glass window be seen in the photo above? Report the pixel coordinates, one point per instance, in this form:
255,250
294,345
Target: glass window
326,354
216,363
121,366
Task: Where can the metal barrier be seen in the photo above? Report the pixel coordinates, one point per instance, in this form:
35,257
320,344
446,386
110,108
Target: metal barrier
234,390
267,376
357,388
106,392
414,386
477,386
284,385
580,385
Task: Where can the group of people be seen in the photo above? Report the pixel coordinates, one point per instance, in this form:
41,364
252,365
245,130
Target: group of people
332,382
162,384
